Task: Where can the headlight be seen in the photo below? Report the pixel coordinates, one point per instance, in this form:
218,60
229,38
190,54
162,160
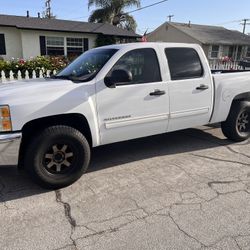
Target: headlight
5,119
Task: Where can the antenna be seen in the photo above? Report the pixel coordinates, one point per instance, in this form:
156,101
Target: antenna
170,18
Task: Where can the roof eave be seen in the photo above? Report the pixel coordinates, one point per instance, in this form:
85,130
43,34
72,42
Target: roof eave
71,31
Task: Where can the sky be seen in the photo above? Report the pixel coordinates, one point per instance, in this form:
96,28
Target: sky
227,13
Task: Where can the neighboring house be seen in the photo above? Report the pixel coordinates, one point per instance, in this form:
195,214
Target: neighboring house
217,42
25,37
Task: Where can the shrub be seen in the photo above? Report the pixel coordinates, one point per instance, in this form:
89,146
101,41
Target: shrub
39,63
102,40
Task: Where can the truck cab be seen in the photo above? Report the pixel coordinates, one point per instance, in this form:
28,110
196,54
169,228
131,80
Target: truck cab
171,88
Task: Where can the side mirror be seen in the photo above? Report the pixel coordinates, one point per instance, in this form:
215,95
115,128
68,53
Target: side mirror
118,77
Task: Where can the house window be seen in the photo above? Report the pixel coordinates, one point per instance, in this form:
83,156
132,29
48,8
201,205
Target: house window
76,46
231,51
215,51
2,45
59,46
55,46
248,51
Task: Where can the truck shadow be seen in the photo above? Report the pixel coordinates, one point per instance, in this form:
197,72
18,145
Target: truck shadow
15,184
185,141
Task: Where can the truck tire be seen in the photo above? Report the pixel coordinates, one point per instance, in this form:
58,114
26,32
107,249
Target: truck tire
237,125
57,156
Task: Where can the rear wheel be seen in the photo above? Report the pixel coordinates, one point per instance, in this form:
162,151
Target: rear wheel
57,157
237,125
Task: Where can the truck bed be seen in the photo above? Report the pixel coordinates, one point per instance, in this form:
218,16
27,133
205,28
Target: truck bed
228,87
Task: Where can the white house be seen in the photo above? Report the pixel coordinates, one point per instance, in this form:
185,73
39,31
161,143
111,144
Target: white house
25,37
217,42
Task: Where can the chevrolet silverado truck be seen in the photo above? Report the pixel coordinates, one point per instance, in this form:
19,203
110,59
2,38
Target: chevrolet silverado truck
111,94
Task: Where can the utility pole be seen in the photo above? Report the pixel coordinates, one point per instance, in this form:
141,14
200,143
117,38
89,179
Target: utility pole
47,13
245,23
170,18
48,9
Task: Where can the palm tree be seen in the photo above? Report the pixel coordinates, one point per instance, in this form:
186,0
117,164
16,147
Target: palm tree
112,11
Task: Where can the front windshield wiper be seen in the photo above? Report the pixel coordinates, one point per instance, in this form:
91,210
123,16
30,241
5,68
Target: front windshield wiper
59,77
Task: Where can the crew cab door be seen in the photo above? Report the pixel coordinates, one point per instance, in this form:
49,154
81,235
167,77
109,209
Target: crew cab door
137,108
190,88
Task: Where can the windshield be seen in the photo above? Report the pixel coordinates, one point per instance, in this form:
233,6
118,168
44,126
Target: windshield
86,66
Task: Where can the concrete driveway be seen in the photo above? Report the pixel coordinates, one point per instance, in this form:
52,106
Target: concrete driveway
185,190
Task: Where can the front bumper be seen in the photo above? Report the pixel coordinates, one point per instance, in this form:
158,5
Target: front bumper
9,148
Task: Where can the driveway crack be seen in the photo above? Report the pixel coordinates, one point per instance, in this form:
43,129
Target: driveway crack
221,160
184,232
68,215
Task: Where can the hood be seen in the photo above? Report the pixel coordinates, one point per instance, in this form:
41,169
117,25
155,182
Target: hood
33,99
13,91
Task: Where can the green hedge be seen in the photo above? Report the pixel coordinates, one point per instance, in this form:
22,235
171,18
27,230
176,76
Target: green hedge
39,63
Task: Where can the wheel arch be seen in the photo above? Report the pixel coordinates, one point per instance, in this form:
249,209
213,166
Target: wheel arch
224,102
239,98
31,128
242,97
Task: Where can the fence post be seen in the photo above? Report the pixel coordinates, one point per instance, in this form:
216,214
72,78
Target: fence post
12,76
33,74
40,74
27,77
19,75
48,73
3,77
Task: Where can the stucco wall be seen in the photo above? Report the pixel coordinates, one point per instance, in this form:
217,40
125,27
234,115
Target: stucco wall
12,42
25,43
206,49
167,33
31,43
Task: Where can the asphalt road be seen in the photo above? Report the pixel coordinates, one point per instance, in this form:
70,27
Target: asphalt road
185,190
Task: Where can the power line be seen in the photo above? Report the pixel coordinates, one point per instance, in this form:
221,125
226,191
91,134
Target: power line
234,21
145,7
77,18
243,22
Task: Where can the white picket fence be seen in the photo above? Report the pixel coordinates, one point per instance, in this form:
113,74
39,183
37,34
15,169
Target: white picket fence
34,75
224,65
41,73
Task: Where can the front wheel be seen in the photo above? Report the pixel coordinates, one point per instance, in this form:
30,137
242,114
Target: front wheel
57,157
237,125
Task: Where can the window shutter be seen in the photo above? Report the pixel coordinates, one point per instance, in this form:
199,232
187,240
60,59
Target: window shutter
2,45
86,44
43,45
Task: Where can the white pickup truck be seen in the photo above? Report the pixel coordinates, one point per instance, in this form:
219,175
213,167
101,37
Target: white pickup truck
115,93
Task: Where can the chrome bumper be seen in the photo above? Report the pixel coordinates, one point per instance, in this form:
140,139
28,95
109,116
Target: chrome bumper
9,148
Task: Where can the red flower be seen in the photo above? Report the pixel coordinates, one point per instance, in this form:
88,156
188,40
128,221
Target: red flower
21,61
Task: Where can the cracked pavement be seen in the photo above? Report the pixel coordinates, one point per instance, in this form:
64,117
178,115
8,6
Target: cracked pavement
184,190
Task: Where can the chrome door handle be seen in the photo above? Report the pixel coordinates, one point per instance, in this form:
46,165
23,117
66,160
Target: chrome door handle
202,87
157,92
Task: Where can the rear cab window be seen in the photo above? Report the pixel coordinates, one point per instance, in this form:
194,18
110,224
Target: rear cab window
184,63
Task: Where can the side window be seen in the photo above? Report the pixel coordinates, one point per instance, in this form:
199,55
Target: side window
2,45
184,63
142,63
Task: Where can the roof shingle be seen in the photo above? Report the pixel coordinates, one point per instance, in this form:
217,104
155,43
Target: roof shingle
213,34
35,23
